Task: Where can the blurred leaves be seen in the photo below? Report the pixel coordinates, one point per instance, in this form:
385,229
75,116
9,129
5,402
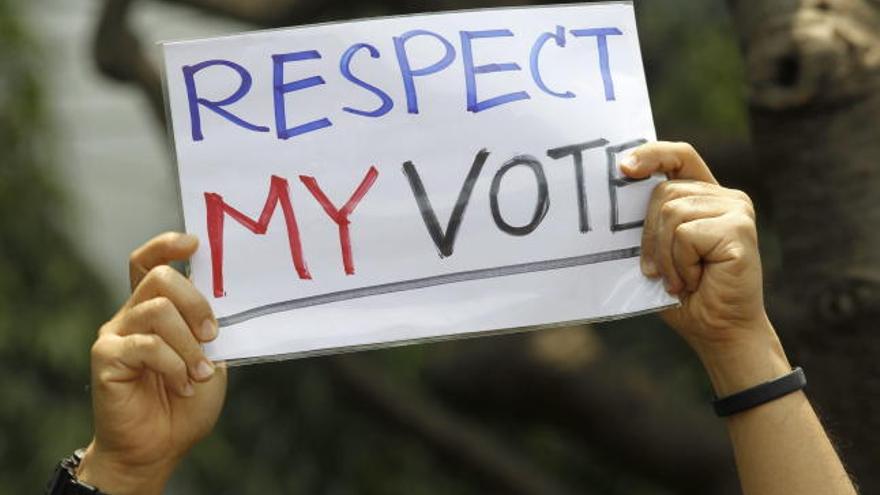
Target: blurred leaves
695,70
50,304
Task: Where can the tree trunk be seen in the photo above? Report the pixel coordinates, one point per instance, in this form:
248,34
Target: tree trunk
814,81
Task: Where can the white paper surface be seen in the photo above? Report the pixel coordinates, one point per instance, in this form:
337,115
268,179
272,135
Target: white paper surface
531,263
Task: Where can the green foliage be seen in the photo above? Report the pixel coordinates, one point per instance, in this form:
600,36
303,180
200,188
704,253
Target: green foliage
50,304
695,71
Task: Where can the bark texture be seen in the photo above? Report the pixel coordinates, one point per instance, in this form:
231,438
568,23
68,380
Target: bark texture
814,84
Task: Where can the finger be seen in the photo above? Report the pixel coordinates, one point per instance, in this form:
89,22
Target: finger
687,258
164,281
728,238
140,352
160,316
160,250
668,191
676,160
674,213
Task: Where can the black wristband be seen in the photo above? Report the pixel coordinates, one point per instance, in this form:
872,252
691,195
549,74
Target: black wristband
760,394
64,480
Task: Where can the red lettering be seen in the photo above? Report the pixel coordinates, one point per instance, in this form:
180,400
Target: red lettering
218,209
340,216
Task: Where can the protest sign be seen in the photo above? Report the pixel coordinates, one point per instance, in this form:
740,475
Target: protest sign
411,178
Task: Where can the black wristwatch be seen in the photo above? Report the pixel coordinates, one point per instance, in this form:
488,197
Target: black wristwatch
64,480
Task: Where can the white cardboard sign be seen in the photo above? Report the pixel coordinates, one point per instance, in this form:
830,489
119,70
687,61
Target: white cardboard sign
409,178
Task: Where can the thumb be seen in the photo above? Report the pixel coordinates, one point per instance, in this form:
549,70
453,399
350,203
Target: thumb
678,161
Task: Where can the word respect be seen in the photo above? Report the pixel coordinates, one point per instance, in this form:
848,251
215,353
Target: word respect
409,70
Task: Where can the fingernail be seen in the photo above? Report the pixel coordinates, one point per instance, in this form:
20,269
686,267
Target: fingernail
670,288
208,330
188,390
649,268
629,162
203,370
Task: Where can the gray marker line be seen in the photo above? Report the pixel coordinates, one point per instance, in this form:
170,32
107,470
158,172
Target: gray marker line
421,283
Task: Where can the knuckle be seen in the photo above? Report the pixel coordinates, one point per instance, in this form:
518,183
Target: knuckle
747,206
749,211
100,350
663,191
742,196
669,209
105,329
134,258
144,342
161,275
673,189
664,187
165,273
686,148
742,224
103,377
741,261
160,305
651,146
677,208
165,238
161,243
684,230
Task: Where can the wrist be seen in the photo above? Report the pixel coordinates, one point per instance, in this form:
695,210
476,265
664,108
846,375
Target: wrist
742,363
114,477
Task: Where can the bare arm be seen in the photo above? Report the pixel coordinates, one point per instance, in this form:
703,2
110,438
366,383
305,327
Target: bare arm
700,238
780,446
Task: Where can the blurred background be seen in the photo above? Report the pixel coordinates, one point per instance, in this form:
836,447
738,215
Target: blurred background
782,99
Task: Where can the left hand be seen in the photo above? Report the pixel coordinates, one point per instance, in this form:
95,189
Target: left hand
154,394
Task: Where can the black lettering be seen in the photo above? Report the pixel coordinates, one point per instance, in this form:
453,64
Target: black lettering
576,152
615,181
445,241
542,205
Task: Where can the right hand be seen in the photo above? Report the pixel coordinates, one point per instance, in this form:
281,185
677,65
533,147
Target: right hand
701,239
154,393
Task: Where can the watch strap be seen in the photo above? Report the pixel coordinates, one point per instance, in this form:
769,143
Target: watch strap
64,480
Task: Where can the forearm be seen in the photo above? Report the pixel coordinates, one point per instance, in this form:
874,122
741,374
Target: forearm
780,446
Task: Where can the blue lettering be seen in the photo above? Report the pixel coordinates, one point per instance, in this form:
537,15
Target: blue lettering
470,71
601,35
280,88
195,118
412,104
559,37
345,69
